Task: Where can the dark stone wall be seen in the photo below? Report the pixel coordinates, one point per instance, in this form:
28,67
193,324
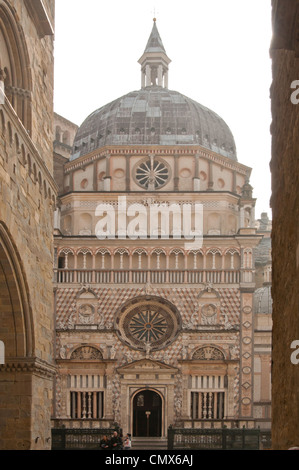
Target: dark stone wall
285,234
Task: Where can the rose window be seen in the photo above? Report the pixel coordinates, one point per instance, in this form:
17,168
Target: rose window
152,174
148,325
147,321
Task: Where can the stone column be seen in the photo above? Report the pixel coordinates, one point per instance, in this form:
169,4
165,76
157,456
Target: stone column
147,75
166,80
246,353
57,218
196,180
160,75
95,176
176,173
108,412
107,178
211,181
231,374
128,176
234,188
2,91
142,79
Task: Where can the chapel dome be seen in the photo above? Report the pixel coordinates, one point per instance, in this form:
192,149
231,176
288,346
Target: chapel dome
154,115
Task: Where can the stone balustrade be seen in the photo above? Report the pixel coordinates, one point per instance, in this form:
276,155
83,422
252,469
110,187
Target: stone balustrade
140,276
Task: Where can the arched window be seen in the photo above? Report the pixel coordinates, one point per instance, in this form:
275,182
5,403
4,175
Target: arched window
14,65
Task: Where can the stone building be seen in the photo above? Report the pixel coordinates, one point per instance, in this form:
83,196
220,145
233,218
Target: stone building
285,209
263,325
154,279
27,201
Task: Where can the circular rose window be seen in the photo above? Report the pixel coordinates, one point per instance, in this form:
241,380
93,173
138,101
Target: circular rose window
152,173
148,321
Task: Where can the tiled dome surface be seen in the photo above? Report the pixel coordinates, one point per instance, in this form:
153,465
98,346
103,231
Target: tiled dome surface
154,116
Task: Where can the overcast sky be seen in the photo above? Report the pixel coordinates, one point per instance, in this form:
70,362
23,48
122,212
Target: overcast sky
220,58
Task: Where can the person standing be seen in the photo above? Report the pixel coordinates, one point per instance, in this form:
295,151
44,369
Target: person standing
127,442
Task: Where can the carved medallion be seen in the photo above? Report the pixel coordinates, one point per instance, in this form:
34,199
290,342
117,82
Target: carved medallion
86,313
208,314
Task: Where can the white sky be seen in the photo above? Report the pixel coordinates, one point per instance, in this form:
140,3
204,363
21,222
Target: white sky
220,58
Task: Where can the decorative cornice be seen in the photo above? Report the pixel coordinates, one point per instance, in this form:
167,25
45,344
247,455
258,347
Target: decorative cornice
158,150
29,365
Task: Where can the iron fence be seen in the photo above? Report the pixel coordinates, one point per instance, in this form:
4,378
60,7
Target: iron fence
80,439
214,439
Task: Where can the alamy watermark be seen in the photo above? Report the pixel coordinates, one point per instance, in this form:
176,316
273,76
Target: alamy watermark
154,220
295,94
295,354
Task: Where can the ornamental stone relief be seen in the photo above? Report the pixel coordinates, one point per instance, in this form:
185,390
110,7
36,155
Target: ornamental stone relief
208,306
84,353
208,353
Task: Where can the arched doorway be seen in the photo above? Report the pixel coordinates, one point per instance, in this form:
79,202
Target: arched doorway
147,414
16,328
16,335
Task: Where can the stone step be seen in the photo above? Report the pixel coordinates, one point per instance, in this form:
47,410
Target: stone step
149,443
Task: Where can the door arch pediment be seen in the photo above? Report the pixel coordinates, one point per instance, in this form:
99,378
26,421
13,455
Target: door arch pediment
147,365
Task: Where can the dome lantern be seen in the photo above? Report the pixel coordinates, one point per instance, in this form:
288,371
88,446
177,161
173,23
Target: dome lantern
154,61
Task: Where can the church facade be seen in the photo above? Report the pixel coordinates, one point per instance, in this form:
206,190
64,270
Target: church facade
158,318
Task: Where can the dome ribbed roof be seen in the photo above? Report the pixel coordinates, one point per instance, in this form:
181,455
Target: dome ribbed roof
154,115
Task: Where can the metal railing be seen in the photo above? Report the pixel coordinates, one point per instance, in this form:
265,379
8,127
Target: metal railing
178,438
213,439
80,439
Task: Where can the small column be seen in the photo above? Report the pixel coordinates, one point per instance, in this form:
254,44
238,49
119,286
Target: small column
160,75
107,179
148,277
211,181
95,176
242,217
166,80
142,79
128,179
130,266
234,188
176,173
167,267
93,277
196,184
147,75
2,91
112,268
57,218
196,180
